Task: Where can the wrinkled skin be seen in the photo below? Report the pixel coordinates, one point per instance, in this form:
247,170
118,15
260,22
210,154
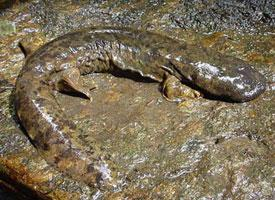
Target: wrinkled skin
57,66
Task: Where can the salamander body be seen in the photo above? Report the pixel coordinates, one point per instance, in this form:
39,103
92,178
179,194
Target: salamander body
102,49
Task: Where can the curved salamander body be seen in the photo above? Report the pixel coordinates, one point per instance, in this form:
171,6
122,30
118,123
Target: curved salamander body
101,50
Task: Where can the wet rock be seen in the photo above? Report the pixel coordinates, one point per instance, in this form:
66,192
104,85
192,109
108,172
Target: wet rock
218,15
198,149
221,15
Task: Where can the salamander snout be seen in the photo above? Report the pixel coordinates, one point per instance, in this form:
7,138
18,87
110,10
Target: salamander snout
245,83
234,82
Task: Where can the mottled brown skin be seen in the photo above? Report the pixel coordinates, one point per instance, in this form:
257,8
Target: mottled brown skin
101,49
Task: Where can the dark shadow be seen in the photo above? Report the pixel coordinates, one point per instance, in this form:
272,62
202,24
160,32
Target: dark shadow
5,4
74,94
13,190
207,95
135,76
118,73
24,51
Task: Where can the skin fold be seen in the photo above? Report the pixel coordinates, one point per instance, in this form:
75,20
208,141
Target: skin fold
59,64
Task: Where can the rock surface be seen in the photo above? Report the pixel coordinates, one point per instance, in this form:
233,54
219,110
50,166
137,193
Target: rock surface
202,149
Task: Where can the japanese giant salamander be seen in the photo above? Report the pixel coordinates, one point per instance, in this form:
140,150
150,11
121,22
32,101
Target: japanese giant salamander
57,66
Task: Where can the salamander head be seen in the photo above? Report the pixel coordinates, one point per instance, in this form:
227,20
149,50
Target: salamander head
242,83
237,83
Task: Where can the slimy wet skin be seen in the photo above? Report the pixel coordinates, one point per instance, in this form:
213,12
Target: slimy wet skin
58,66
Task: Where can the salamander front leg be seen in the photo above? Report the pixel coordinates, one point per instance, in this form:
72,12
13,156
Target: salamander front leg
174,90
70,81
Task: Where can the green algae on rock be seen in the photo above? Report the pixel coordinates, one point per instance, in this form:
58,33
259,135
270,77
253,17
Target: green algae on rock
7,27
